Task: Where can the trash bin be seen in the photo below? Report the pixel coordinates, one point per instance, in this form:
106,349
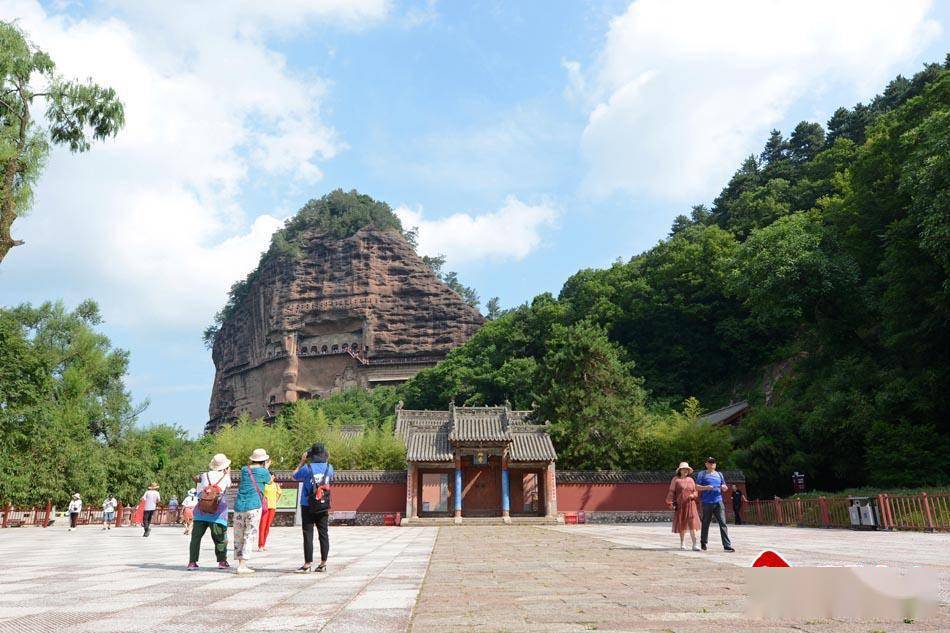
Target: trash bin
863,511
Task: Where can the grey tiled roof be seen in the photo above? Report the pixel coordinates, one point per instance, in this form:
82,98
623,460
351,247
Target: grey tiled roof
532,446
431,436
351,431
725,413
480,425
426,446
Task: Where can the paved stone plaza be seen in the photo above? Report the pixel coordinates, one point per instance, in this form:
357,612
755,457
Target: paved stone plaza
479,578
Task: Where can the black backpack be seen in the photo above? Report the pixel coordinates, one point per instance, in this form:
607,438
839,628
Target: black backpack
319,499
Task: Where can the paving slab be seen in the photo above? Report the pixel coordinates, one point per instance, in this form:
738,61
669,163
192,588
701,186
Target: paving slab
91,580
622,578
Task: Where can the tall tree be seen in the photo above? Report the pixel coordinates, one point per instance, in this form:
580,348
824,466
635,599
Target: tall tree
775,149
76,112
806,141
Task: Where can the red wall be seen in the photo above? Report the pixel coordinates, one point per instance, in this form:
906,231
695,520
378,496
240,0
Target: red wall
618,497
369,497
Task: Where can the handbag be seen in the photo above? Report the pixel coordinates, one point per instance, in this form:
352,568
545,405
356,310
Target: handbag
259,491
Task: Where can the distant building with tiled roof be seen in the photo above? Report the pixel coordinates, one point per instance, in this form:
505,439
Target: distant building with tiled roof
477,462
730,414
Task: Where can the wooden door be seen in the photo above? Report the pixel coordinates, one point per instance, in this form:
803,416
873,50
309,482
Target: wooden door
481,489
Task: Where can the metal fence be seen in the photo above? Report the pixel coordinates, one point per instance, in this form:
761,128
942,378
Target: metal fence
43,516
921,512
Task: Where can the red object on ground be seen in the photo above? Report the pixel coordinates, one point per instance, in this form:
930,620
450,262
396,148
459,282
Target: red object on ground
570,518
768,558
138,515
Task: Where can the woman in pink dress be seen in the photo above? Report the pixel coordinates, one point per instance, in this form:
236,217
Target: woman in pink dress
682,499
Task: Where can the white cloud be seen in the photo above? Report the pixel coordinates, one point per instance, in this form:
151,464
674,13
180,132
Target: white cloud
684,89
149,223
512,232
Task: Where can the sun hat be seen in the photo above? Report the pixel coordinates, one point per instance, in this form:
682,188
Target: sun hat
219,462
153,486
76,495
259,455
682,466
193,491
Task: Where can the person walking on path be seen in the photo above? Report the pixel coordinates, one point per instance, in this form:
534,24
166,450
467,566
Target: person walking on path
249,505
150,500
737,501
108,511
713,484
211,512
316,474
75,507
273,493
188,509
682,499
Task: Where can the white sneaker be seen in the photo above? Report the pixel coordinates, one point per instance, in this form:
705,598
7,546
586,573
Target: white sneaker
682,546
244,570
695,547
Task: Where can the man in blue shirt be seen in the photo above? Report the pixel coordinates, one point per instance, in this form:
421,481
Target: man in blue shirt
314,464
713,484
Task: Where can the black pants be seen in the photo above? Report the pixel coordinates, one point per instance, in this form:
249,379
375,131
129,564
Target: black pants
718,511
736,513
322,521
73,517
147,519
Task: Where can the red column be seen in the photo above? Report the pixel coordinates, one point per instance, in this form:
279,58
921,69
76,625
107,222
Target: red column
779,518
49,508
6,514
118,514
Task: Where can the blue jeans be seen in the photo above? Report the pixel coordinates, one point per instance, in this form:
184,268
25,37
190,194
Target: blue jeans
719,510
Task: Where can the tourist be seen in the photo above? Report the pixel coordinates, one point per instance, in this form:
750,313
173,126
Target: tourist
75,507
172,508
108,511
188,509
682,499
150,501
273,493
248,506
713,484
211,512
737,501
316,474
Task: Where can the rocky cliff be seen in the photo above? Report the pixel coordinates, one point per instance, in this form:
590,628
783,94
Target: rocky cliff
341,312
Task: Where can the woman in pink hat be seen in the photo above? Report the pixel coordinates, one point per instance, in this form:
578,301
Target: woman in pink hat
682,499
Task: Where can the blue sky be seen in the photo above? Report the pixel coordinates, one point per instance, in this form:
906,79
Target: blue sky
527,140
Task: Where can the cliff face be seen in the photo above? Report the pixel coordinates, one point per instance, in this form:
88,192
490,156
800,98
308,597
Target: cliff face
358,311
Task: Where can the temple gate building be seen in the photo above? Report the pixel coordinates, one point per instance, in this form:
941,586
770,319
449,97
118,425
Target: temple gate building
477,462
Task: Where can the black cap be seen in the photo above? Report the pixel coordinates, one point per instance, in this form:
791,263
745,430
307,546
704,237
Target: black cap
710,460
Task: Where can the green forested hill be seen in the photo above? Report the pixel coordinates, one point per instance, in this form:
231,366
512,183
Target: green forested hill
816,285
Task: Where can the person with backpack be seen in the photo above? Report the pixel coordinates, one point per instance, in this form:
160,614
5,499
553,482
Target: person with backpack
316,473
211,513
249,505
713,484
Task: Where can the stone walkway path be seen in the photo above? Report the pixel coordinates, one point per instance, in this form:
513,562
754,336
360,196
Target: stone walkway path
90,580
574,579
472,578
